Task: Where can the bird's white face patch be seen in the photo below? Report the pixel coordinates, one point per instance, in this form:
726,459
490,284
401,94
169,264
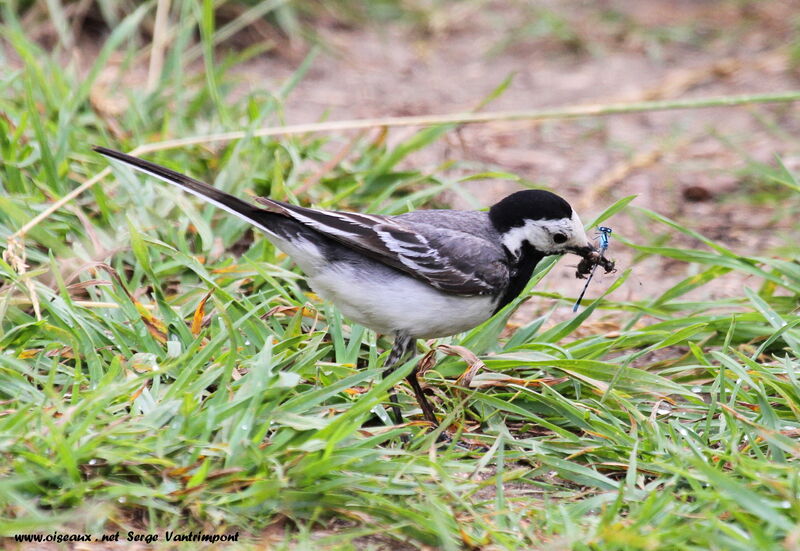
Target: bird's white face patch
548,236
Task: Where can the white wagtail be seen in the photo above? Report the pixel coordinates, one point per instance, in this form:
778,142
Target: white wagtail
423,274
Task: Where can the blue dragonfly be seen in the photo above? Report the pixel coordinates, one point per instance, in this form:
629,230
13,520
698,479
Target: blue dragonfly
604,235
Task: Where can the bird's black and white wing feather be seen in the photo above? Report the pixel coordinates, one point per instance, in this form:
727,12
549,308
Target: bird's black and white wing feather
450,260
435,250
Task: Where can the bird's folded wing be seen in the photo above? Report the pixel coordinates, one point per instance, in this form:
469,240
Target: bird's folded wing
450,260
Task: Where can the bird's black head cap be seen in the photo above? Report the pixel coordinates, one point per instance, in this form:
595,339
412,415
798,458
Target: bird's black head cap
528,204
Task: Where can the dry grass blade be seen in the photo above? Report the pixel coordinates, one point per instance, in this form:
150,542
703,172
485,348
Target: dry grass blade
15,256
568,112
159,44
491,379
474,364
200,314
154,325
81,285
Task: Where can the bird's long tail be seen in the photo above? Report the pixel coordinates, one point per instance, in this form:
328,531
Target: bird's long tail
247,212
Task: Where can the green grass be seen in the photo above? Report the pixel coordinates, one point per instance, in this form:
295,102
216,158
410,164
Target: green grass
132,404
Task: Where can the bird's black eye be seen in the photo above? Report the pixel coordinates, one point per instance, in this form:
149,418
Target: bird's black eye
559,238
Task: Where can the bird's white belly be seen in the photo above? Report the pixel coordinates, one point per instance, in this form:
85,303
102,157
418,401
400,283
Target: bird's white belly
399,304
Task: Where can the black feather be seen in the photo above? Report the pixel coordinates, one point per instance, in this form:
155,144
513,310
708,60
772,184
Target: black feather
528,204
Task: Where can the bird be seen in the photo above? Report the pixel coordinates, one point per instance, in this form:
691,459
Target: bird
419,275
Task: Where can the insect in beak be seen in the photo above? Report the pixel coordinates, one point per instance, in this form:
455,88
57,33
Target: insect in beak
593,259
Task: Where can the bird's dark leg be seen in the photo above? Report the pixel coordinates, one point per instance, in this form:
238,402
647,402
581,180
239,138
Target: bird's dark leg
402,346
422,400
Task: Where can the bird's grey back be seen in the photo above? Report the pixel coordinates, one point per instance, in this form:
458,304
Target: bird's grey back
466,240
473,222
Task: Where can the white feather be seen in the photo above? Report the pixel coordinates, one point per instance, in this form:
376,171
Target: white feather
396,303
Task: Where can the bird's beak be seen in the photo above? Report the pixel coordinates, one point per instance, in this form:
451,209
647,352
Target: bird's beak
583,251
